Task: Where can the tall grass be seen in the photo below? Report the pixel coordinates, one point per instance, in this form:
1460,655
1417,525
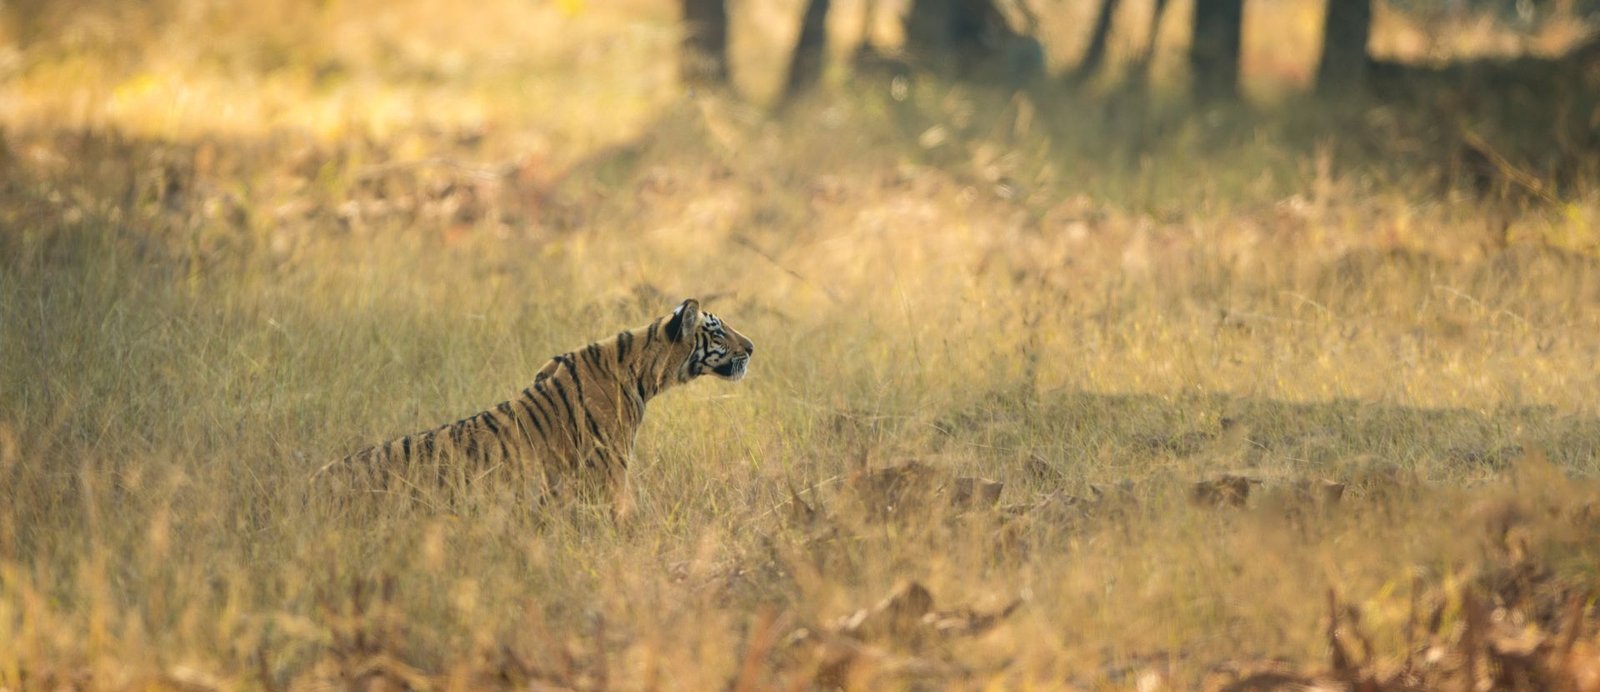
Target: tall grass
396,221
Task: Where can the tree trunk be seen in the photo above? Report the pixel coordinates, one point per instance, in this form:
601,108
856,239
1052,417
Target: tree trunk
1214,49
971,39
1096,53
1344,46
704,52
805,65
1141,67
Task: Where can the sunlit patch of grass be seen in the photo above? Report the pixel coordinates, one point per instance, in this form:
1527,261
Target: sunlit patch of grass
346,69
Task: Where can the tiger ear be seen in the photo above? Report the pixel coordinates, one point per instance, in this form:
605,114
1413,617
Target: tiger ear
684,319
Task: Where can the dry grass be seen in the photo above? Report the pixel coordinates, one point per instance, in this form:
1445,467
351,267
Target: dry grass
223,265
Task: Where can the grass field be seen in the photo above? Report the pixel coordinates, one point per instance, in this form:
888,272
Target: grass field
224,262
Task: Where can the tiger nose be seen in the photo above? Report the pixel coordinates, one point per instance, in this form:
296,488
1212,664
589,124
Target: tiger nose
749,348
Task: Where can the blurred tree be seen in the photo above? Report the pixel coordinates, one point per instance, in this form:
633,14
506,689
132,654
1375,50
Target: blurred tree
805,65
1141,69
973,38
1214,48
1345,63
1095,54
704,52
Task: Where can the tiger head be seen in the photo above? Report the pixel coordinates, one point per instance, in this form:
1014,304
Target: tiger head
714,347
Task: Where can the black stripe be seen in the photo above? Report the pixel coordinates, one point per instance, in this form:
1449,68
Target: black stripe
499,435
405,447
567,361
594,427
591,355
624,341
603,368
571,415
583,404
445,449
503,441
577,383
559,393
549,408
489,422
454,435
572,367
543,373
571,364
526,403
516,414
420,446
650,334
641,381
510,412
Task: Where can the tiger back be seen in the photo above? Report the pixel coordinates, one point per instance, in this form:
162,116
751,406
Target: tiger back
570,432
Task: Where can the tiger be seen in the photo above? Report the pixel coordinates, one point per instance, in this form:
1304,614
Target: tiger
575,426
